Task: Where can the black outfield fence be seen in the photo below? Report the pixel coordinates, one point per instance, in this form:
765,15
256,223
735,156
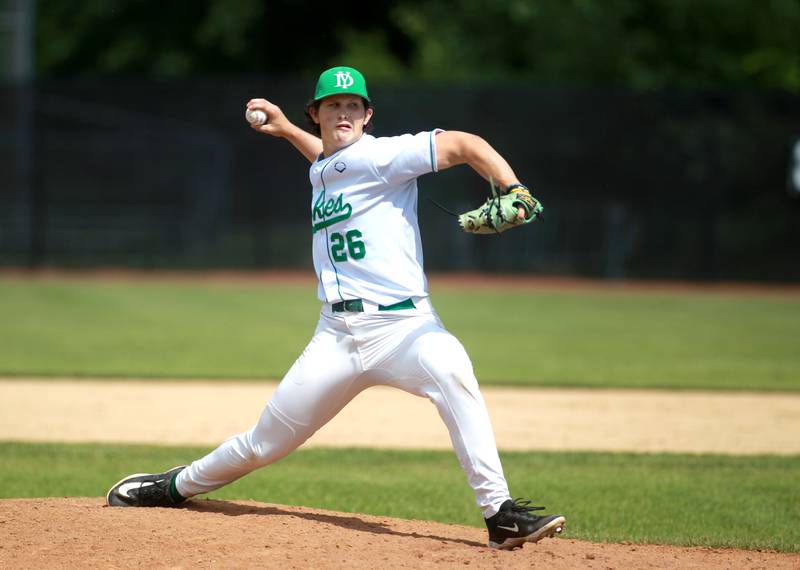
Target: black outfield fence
166,174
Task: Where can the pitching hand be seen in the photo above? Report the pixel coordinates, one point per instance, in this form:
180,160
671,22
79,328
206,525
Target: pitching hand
277,124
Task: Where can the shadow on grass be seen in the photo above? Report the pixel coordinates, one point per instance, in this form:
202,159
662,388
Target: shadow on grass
347,522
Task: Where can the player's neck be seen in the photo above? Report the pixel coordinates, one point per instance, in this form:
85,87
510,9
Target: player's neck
331,145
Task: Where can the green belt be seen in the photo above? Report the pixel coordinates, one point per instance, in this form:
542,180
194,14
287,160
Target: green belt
357,306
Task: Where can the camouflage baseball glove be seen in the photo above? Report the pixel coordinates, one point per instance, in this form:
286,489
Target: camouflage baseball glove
499,213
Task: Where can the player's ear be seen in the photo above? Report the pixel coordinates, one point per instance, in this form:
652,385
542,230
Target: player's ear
368,115
313,113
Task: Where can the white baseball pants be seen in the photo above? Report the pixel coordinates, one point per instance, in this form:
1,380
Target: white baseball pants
409,349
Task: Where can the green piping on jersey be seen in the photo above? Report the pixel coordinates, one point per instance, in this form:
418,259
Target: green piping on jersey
327,239
433,156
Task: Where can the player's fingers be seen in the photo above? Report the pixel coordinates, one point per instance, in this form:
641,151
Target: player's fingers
520,212
272,110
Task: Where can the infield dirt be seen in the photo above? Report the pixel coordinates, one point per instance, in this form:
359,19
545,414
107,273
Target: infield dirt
206,413
82,533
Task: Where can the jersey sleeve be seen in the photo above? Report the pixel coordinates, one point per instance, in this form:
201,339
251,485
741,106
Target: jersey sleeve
399,159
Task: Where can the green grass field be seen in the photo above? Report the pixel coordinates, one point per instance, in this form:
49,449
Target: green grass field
595,339
751,503
574,338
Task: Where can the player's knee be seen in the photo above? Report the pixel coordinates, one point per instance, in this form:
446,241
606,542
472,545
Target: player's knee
268,448
273,438
445,360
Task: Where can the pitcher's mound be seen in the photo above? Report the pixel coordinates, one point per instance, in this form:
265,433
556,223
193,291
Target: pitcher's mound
84,533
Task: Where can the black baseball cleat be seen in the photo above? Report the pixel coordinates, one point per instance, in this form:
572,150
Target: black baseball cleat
514,525
145,490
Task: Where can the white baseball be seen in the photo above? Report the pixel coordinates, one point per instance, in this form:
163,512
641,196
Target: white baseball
255,116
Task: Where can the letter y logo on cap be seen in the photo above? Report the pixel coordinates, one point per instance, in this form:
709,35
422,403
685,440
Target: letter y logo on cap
344,79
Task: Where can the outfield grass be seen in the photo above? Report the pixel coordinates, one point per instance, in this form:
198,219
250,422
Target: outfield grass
598,339
720,501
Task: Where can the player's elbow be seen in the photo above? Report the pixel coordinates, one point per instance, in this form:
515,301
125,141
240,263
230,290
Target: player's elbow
474,148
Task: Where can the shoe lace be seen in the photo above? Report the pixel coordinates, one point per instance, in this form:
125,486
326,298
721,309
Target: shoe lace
523,506
151,492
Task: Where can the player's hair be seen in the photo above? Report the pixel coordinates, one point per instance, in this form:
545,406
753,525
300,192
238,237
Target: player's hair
314,127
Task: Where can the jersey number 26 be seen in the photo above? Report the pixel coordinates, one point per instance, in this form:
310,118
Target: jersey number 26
355,247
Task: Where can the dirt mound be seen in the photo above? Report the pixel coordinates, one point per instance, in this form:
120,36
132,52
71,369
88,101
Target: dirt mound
84,533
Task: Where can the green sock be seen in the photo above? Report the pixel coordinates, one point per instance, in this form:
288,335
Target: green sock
173,491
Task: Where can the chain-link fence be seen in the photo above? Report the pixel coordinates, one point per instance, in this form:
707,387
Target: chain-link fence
166,174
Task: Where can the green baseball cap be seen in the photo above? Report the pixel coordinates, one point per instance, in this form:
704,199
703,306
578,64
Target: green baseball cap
341,80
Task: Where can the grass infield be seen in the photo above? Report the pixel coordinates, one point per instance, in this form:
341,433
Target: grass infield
717,501
595,339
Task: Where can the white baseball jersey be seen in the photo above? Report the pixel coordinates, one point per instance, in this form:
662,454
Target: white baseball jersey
366,242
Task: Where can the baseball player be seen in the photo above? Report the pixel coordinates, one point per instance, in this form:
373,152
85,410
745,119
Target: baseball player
377,325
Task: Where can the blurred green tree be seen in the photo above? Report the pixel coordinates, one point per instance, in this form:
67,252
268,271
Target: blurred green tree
638,43
644,44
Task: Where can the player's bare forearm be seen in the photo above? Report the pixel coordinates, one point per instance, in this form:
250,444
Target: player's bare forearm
278,125
309,145
456,147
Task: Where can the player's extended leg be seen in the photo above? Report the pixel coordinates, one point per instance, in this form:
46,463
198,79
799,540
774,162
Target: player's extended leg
446,378
419,356
319,384
444,374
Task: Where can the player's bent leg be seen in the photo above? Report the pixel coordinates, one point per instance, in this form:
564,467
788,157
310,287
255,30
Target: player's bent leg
319,384
271,439
236,457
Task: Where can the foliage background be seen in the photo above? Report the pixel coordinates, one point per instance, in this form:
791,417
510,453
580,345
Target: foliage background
642,44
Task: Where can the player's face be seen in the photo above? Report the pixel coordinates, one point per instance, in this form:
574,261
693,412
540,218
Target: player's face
341,120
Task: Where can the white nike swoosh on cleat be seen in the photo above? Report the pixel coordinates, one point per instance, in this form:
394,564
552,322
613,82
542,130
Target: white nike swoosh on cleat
514,528
125,487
